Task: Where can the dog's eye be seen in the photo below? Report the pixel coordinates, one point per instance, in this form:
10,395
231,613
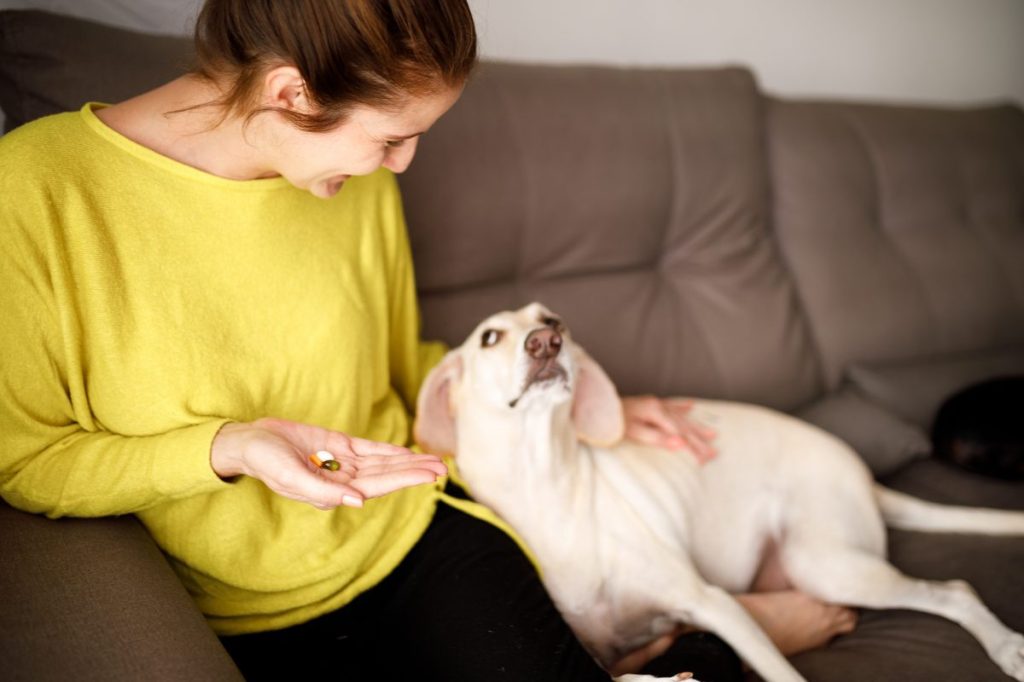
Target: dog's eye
490,337
552,322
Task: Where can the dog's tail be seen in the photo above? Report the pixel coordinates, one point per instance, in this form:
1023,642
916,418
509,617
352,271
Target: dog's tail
909,513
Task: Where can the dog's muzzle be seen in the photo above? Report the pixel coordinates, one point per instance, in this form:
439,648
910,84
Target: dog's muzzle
543,346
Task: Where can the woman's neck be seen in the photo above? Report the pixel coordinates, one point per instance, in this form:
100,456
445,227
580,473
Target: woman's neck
194,137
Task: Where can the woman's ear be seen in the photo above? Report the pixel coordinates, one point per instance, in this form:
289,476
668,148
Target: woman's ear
596,409
434,429
284,87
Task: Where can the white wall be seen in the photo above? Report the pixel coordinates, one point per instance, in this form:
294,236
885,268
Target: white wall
942,51
160,16
929,51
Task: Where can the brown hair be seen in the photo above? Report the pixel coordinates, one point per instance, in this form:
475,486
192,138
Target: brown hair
369,52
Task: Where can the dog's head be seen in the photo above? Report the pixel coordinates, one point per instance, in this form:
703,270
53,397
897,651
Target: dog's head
517,361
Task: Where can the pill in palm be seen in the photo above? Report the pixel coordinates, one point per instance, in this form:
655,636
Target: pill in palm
325,460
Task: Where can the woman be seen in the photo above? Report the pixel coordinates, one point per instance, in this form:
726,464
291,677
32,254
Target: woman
207,283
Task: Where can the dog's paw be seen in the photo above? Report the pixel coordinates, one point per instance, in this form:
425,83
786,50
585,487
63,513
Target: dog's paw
1009,656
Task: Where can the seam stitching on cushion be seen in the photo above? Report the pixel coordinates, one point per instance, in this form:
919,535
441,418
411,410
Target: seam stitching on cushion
826,382
516,137
879,212
801,311
715,361
972,227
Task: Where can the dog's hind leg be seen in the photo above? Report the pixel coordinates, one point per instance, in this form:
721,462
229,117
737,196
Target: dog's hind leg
712,608
855,578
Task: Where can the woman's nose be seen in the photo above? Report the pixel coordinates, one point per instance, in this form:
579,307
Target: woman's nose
399,158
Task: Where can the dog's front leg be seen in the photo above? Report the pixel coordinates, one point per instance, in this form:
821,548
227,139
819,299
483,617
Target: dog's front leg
712,608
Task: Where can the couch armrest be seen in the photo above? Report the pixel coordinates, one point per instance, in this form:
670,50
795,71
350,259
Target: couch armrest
94,599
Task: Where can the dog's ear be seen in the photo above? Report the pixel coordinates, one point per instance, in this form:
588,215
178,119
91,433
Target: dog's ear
596,409
434,429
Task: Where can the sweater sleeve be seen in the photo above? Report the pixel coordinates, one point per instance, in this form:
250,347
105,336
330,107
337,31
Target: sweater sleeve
411,358
49,462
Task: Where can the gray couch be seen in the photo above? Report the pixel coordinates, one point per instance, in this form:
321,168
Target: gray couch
852,263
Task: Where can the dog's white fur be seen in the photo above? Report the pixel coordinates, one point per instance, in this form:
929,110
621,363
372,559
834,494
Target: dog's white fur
634,540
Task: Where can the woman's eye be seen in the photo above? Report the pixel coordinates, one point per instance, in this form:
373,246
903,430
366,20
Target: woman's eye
490,337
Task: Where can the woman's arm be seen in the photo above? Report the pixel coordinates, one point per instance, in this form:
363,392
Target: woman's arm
51,464
48,462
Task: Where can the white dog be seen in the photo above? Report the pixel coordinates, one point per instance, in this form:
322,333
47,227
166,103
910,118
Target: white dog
634,540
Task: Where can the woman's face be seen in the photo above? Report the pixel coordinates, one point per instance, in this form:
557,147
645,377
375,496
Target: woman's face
368,139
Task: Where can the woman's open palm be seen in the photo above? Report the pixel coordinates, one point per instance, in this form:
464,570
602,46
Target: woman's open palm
276,451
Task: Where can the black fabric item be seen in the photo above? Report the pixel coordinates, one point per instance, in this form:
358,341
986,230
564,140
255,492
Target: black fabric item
980,429
465,605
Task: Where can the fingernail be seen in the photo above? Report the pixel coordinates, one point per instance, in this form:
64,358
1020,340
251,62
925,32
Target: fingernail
350,501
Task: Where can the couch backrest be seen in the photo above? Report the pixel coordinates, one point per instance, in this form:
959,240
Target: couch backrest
903,227
636,204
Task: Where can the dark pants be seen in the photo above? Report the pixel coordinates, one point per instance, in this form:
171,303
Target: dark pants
464,606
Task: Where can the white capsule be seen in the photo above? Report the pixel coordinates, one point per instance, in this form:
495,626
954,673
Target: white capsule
324,456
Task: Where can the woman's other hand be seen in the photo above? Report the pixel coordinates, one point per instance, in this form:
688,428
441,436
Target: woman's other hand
666,423
276,451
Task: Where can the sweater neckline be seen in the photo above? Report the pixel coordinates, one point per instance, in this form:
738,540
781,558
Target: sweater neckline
88,114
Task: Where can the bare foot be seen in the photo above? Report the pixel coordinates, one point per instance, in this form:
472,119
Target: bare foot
796,622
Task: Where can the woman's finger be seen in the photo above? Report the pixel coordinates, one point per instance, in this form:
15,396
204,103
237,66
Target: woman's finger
654,413
382,484
679,404
702,450
320,491
643,432
375,469
361,446
388,468
681,414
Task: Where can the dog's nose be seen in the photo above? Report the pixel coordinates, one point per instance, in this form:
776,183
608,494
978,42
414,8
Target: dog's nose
543,344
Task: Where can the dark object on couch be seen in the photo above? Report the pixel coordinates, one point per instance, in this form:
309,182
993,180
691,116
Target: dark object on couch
701,238
981,429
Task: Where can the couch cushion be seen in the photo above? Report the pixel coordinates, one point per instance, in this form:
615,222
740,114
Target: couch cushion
634,203
884,440
916,389
93,599
903,227
51,63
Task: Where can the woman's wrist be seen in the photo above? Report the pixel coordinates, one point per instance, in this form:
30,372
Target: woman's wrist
226,451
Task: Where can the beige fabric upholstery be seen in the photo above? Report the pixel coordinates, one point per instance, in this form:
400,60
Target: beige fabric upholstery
107,64
903,227
644,223
93,599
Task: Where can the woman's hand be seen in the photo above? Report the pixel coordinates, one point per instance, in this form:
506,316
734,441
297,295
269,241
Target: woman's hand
276,451
665,423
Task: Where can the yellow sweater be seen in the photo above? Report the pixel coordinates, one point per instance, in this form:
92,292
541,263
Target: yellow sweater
145,303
